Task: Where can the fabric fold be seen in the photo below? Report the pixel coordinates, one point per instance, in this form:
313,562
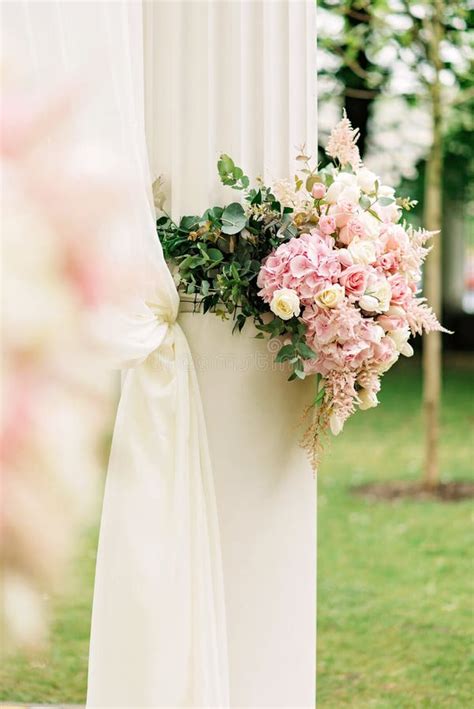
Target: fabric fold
158,629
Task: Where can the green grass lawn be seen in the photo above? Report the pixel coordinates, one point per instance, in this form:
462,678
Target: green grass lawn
395,587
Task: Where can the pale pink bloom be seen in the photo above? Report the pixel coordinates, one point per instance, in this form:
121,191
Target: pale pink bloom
354,279
354,228
342,212
389,261
301,266
355,352
313,283
318,191
330,268
401,292
327,224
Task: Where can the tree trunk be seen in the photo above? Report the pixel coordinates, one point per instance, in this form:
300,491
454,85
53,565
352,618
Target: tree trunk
358,108
432,363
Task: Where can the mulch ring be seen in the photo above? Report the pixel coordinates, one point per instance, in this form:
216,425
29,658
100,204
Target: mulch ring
454,491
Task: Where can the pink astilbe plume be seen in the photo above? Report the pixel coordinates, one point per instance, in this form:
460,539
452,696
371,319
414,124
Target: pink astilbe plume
421,318
342,143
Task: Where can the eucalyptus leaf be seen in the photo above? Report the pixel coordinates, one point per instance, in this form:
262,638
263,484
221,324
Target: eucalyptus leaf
385,201
284,353
189,223
305,351
215,255
233,218
365,201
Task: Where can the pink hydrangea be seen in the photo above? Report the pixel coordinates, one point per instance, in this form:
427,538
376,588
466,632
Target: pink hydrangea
307,265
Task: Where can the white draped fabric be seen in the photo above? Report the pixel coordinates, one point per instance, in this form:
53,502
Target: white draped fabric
219,76
234,76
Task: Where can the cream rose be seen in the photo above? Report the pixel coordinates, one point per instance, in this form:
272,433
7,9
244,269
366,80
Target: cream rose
367,399
330,297
285,303
362,251
400,338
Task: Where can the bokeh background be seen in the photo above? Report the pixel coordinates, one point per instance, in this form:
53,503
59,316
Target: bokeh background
396,581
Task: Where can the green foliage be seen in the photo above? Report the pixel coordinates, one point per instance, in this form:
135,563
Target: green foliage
217,257
230,174
233,219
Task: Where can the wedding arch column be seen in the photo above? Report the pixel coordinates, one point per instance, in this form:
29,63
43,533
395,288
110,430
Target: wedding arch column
239,77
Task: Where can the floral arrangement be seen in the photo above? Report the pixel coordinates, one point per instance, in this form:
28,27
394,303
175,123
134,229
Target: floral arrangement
329,257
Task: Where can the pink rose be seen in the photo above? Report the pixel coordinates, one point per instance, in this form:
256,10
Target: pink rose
389,261
353,228
342,212
354,279
327,225
401,291
318,190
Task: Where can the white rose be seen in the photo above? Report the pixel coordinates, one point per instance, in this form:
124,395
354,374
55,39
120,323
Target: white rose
350,194
336,424
344,188
366,180
371,225
367,399
376,298
334,190
400,338
369,303
285,303
362,251
347,178
330,297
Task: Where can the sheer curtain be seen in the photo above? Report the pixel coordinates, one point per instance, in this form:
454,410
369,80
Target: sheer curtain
158,630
